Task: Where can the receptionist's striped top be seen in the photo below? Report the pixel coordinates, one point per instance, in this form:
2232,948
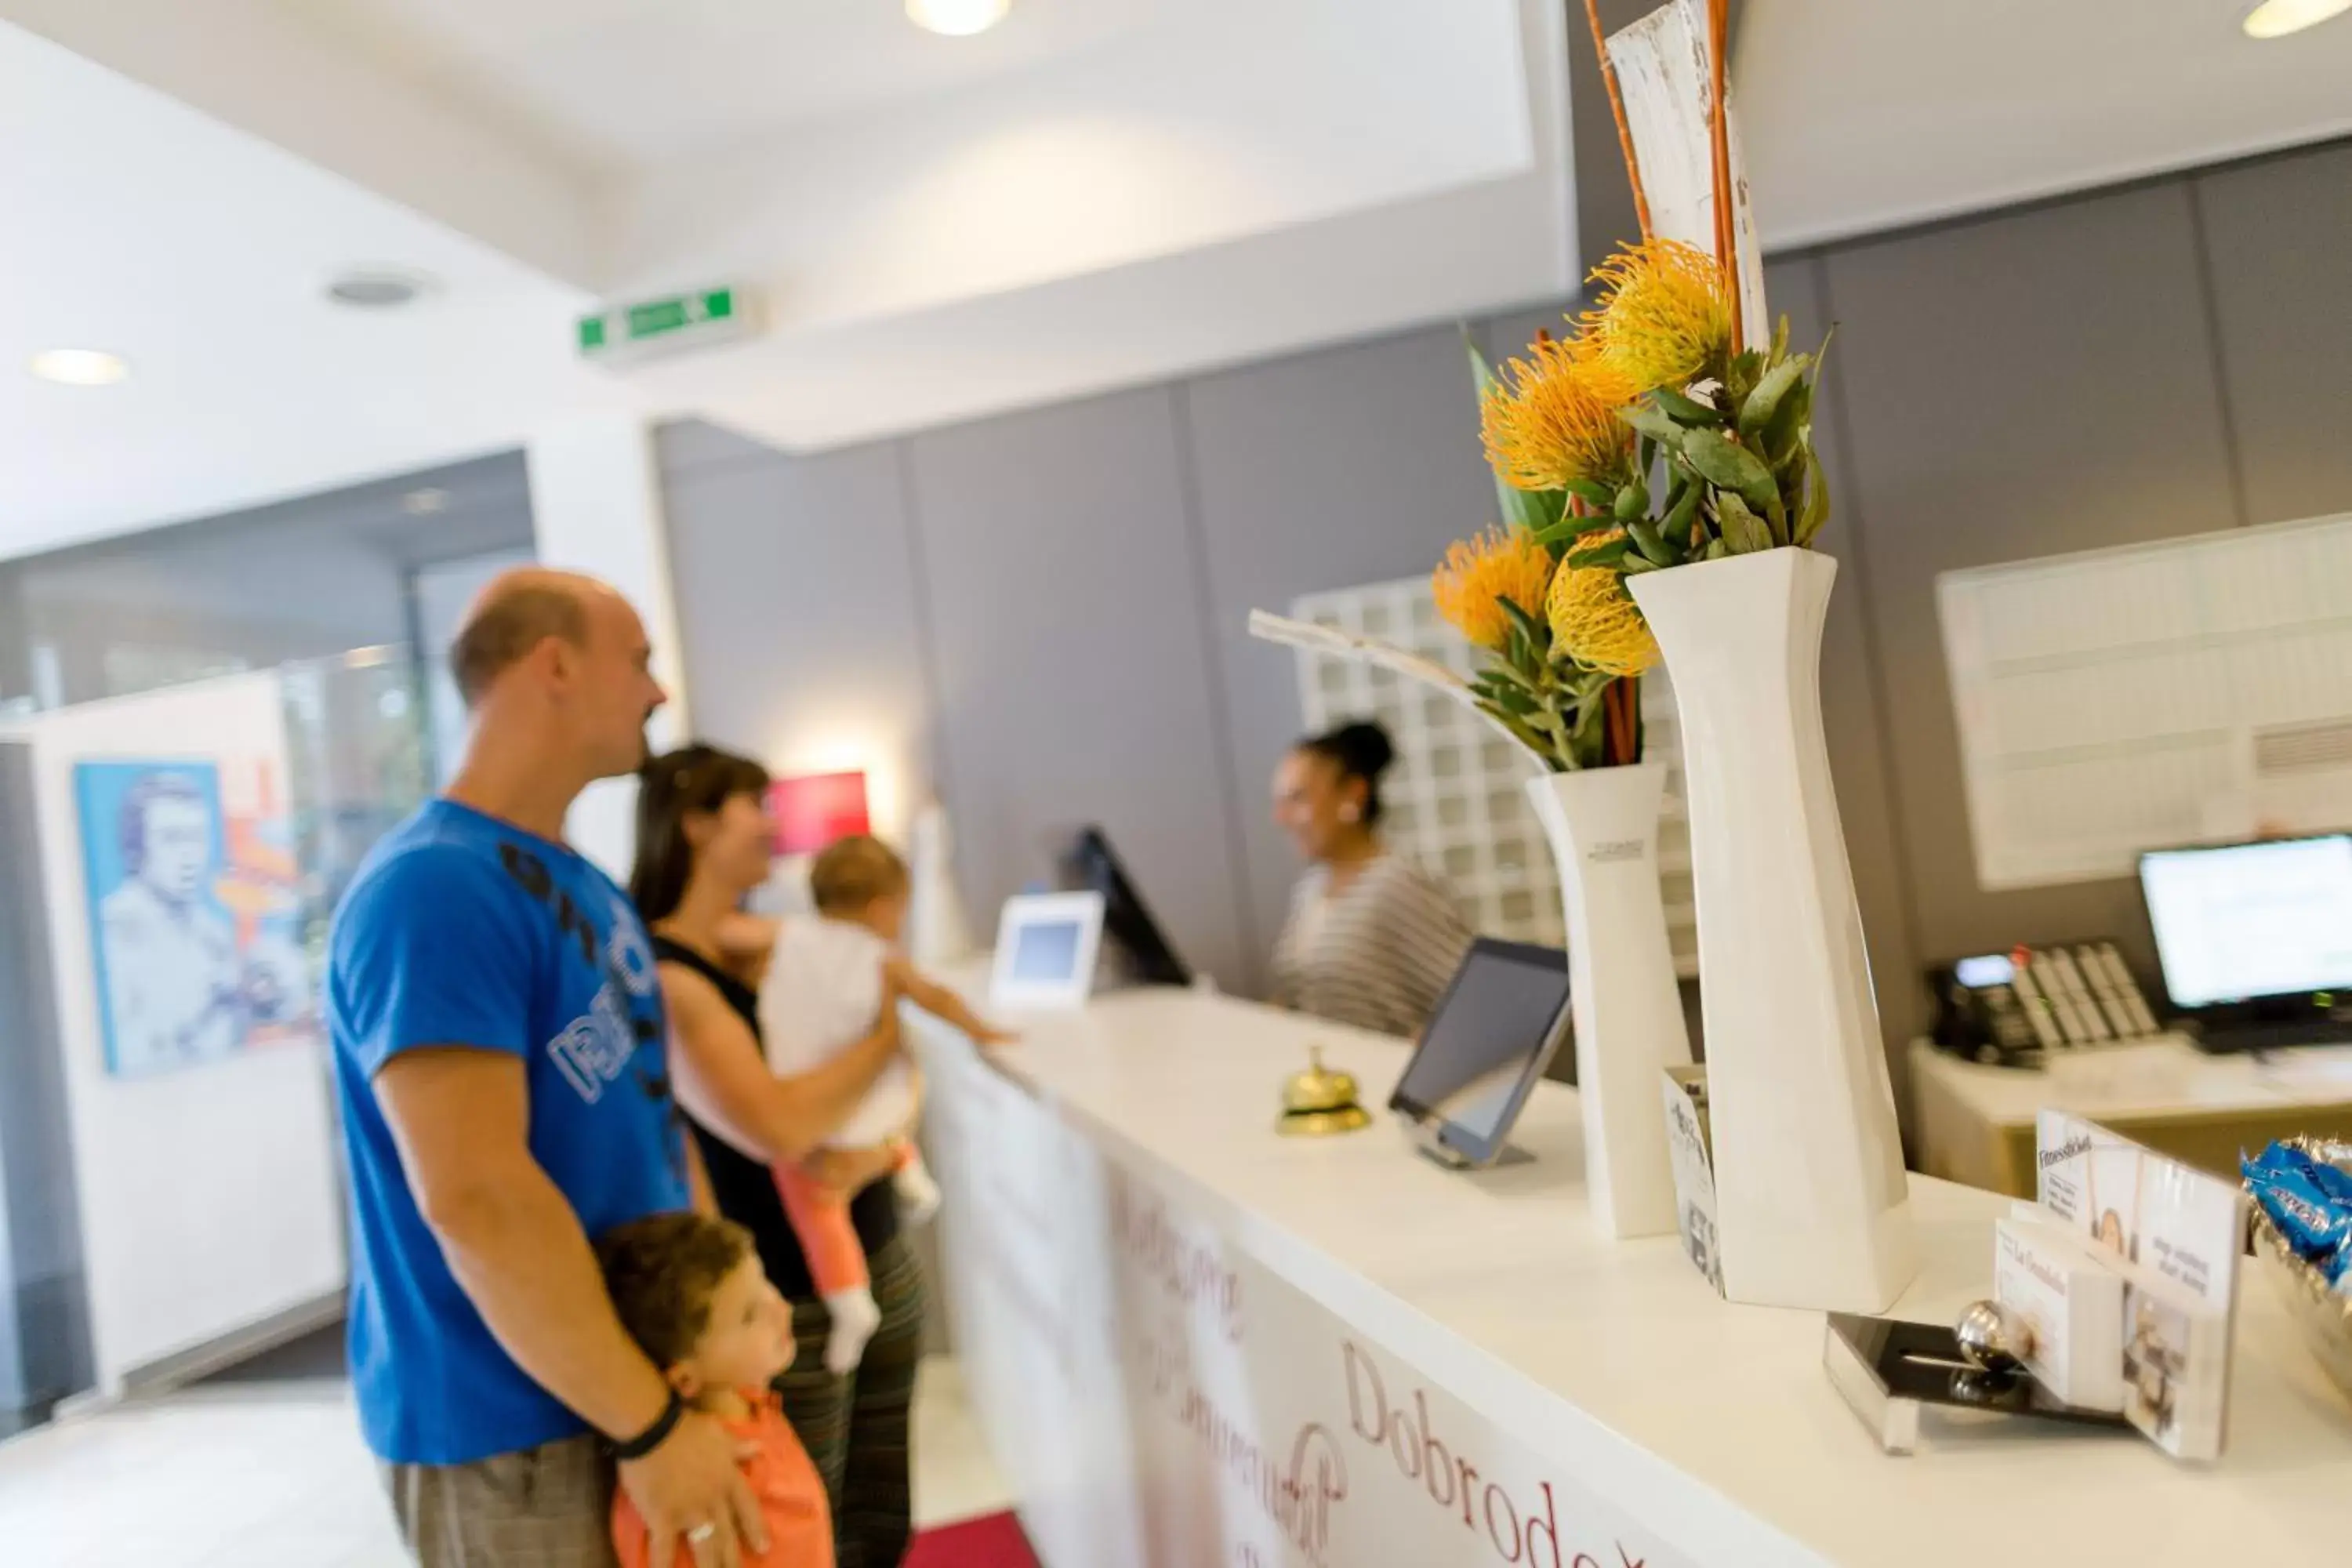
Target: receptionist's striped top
1376,955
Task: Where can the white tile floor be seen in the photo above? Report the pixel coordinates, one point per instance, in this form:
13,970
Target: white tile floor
274,1476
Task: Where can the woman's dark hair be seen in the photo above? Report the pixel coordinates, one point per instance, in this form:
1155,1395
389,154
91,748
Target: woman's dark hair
690,779
1360,751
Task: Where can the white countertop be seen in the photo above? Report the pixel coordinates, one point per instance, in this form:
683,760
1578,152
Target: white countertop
1617,1360
2163,1076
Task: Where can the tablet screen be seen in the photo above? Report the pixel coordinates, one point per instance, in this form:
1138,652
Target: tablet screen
1046,952
1489,1040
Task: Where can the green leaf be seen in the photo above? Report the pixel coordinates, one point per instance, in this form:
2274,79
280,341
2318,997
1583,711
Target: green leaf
1573,527
1685,410
1632,502
1714,551
1645,456
1513,701
1745,370
1592,491
1815,513
1635,564
1727,466
1677,524
1765,401
1539,634
1780,338
1608,554
1743,531
1646,540
1653,422
1791,423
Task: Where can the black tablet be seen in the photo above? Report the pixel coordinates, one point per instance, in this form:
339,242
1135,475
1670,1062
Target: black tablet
1493,1034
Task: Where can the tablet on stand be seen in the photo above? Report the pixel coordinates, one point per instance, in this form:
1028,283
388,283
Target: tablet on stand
1495,1030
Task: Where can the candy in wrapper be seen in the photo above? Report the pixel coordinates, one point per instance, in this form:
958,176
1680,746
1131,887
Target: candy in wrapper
2329,1179
2306,1212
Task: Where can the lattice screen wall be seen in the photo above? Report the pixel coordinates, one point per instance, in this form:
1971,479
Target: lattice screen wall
1457,799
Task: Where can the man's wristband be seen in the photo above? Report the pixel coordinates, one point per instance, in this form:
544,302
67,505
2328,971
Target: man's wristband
655,1436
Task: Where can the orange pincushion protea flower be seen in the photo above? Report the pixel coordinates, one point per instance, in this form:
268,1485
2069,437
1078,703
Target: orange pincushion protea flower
1479,574
1666,318
1595,621
1552,417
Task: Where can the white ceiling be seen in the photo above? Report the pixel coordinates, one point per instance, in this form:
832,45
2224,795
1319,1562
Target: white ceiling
1867,114
1100,192
137,225
631,84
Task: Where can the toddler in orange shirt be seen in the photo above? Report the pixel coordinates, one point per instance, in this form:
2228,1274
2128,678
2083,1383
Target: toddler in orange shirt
690,1290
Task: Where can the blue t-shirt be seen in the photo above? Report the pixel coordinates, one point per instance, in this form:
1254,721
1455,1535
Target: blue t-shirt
462,930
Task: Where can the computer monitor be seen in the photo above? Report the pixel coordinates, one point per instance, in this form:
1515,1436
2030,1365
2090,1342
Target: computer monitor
2243,922
1494,1032
1090,865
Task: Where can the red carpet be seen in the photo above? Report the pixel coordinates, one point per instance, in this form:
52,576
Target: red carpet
994,1542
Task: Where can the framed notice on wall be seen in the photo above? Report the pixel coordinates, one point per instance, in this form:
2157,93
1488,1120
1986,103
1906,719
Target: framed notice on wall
2197,691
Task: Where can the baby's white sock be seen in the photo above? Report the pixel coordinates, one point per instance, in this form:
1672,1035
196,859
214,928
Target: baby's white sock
854,1319
918,1196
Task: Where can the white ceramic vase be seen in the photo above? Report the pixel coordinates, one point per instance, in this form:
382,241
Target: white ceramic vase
936,933
1812,1204
1603,828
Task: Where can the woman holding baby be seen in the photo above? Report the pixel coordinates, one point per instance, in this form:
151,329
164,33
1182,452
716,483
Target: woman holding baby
704,843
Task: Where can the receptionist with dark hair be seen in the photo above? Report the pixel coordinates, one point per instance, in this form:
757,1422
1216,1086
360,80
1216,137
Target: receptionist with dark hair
1372,938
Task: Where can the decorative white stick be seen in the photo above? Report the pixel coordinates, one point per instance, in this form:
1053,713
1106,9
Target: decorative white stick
1332,643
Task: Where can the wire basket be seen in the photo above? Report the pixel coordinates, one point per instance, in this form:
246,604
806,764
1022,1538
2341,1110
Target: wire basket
2321,1313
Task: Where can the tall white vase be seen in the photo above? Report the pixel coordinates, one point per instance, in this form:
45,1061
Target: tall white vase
1603,827
1813,1205
936,933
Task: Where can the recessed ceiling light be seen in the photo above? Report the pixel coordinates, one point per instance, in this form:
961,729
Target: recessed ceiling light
379,288
424,502
81,367
963,18
2277,18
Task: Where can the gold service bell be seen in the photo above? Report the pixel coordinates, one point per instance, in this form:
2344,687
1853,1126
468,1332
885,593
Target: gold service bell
1317,1104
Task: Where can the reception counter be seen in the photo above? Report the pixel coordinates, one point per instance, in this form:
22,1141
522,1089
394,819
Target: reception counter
1192,1342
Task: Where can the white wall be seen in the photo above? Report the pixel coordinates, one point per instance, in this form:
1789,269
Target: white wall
595,505
210,1198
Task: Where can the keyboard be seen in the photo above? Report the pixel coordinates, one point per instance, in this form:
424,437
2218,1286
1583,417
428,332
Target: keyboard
2231,1039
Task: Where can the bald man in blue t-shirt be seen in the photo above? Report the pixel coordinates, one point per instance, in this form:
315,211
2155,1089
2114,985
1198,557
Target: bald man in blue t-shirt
500,1058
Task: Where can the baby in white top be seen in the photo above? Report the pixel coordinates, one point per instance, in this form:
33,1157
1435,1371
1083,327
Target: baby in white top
823,993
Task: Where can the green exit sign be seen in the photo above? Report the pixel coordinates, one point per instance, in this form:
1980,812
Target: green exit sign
705,316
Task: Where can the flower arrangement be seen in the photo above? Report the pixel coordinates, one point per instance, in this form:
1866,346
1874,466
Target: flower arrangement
1561,643
1716,456
1648,440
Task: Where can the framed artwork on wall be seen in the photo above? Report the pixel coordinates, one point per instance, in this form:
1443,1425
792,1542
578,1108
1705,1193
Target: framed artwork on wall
195,912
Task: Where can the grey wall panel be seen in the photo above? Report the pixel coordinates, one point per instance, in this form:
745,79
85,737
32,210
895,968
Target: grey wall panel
1075,676
2015,387
799,613
1797,290
683,444
1320,472
2279,235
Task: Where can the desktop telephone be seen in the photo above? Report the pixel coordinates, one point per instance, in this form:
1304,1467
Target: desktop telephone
2011,1009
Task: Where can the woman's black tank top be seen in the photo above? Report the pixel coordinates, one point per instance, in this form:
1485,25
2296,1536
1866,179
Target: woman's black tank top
745,1189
